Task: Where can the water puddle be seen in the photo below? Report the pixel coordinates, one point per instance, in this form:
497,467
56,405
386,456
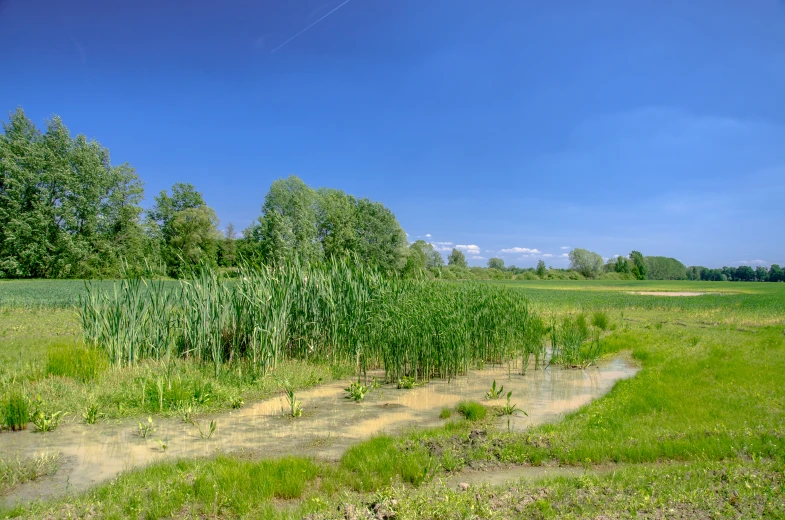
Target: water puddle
329,424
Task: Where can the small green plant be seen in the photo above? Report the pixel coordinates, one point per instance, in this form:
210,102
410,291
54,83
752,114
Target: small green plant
295,406
408,382
210,430
188,415
92,413
146,428
510,409
472,410
77,362
164,445
16,411
600,320
495,392
375,383
236,402
446,413
46,422
356,391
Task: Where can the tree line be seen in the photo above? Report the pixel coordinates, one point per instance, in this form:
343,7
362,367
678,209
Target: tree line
66,211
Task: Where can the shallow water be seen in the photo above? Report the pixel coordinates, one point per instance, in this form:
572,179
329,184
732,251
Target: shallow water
329,425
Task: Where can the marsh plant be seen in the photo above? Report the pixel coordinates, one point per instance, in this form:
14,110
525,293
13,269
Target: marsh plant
236,402
146,428
356,391
494,392
572,343
92,413
16,410
208,433
47,421
407,383
510,408
339,312
295,406
471,410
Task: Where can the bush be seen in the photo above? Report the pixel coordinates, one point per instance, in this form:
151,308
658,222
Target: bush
472,410
600,320
80,363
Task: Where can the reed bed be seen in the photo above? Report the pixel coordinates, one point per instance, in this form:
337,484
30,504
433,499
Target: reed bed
337,312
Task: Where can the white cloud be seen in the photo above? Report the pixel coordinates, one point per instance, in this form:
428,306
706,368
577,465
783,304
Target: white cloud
521,250
477,257
442,243
564,255
470,248
564,248
752,262
427,235
547,255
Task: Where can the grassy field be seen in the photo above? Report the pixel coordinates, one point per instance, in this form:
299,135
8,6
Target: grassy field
699,432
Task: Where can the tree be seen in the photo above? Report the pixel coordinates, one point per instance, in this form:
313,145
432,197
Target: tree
761,274
496,263
621,265
457,258
638,269
541,269
586,262
664,268
186,227
227,249
433,259
64,209
776,274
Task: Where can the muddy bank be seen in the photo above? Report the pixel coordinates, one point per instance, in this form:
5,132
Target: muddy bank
329,425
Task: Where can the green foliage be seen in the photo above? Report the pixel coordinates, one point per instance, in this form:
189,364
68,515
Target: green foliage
295,406
379,462
541,270
356,391
14,471
146,428
472,410
510,408
65,211
495,392
587,263
664,268
407,383
600,320
446,413
639,268
16,410
47,421
570,346
457,258
208,433
92,413
79,363
496,263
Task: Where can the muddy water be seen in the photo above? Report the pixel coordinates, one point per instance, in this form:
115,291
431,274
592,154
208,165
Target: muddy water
329,425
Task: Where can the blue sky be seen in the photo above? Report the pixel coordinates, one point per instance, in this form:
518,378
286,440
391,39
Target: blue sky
517,129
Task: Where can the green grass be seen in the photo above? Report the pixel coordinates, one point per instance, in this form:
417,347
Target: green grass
472,410
14,471
699,432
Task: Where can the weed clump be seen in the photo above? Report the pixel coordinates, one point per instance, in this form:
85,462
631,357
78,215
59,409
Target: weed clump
79,363
472,410
16,411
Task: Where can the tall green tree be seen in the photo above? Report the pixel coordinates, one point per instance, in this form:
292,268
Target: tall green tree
433,259
457,258
541,270
496,263
64,209
186,227
586,262
638,269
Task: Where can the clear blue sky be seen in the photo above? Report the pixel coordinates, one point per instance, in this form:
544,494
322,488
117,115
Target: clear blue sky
519,128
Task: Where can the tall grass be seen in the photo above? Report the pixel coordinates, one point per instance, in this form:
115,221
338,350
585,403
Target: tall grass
338,312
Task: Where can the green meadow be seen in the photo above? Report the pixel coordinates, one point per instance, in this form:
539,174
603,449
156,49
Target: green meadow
699,432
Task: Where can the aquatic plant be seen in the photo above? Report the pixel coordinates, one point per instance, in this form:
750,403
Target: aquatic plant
91,413
236,402
205,435
495,392
408,383
472,410
295,406
356,391
47,421
16,410
446,413
510,409
146,428
339,311
77,362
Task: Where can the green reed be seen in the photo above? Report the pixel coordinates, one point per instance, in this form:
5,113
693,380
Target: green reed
338,312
